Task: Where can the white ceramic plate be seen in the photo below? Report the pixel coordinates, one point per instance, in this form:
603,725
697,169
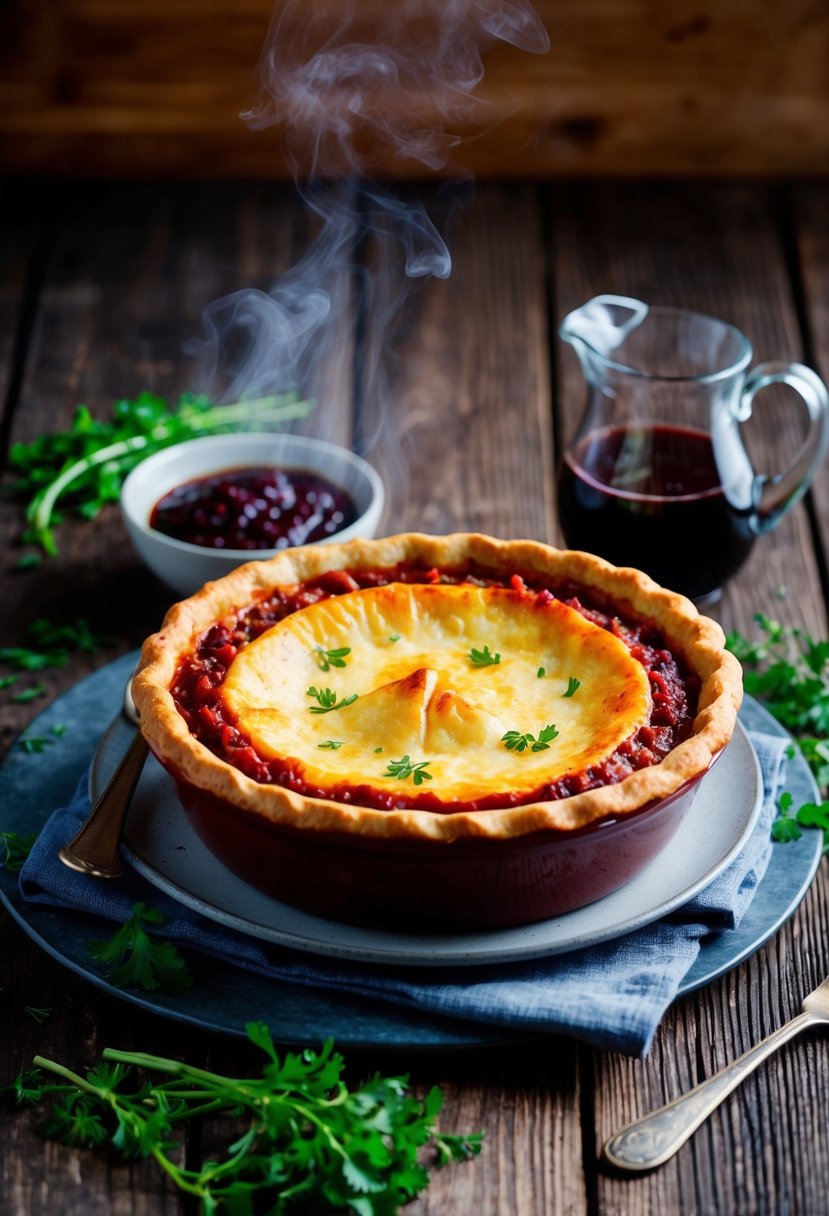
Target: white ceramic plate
164,848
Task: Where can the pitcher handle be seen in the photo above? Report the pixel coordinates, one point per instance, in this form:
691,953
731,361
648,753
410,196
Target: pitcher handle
772,496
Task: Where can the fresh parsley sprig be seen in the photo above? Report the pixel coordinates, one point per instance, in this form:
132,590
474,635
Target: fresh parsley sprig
136,960
327,699
308,1140
573,685
326,659
515,741
404,768
88,462
484,657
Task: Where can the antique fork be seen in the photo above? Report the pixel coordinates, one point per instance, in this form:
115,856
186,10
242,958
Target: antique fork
651,1141
94,849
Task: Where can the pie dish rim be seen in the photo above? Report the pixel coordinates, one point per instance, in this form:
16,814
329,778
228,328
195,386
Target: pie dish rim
698,638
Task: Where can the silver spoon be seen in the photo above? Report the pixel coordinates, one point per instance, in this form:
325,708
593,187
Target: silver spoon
651,1141
94,850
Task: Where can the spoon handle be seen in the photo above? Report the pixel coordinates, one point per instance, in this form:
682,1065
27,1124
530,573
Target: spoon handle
94,850
650,1141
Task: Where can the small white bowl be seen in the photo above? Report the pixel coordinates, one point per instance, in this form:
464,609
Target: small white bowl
186,567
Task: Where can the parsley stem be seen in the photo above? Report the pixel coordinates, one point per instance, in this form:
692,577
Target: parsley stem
143,1059
61,1071
179,1176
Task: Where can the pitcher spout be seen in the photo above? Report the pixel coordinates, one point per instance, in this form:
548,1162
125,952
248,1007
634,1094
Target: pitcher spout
602,324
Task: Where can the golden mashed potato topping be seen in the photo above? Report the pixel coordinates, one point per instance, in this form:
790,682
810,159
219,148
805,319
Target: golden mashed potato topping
486,689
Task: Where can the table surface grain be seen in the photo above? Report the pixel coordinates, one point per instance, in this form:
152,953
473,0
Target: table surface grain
101,289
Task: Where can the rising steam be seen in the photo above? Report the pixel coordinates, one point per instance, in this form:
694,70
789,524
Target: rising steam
348,84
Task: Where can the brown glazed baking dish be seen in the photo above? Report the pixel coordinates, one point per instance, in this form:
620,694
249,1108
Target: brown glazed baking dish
437,731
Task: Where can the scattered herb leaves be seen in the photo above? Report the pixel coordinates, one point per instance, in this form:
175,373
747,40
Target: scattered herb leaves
29,694
331,744
326,659
38,1014
88,462
35,744
308,1138
52,645
16,848
483,658
515,741
394,637
405,767
573,685
327,699
788,671
540,674
137,961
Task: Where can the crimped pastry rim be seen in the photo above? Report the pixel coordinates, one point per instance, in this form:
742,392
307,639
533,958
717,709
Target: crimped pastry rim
699,639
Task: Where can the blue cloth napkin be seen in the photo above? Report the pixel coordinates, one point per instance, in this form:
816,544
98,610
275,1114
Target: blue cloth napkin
612,995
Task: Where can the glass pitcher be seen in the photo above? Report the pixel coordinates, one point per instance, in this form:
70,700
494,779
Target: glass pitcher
657,475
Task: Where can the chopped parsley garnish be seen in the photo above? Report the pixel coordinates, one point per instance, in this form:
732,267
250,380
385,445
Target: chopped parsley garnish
515,741
573,685
137,961
327,699
394,637
540,674
326,659
331,744
483,658
405,768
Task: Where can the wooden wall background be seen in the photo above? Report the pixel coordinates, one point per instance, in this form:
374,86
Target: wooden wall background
629,88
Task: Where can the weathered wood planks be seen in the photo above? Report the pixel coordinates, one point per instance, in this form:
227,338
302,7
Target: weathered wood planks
476,387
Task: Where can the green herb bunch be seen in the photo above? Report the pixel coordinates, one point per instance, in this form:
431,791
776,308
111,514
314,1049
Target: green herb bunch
788,671
87,463
310,1143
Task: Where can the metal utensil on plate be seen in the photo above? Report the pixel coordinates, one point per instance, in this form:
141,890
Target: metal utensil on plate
651,1141
94,850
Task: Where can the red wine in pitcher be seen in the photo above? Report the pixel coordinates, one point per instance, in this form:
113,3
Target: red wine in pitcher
652,497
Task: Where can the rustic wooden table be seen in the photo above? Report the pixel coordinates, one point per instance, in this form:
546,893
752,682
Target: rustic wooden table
100,286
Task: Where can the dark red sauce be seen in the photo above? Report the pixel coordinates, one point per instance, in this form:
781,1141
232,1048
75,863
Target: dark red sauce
197,684
254,509
652,497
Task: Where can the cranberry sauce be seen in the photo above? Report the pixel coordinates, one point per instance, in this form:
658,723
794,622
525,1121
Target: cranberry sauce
652,497
196,690
254,508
